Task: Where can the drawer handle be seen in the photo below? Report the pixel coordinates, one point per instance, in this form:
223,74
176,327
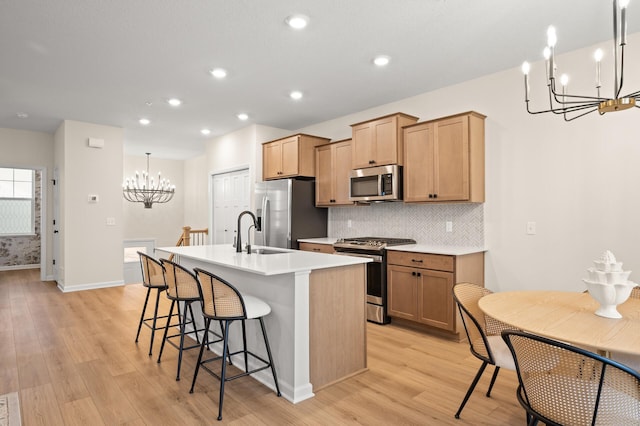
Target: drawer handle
316,249
417,260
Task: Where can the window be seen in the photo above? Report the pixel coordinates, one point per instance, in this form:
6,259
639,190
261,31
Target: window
16,201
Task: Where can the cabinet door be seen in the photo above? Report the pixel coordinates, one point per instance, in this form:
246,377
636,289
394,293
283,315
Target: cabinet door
451,166
363,148
402,292
342,168
272,164
386,141
418,163
435,299
324,175
316,247
289,157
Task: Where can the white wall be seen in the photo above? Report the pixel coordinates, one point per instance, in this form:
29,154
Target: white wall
93,254
196,193
21,148
162,222
578,181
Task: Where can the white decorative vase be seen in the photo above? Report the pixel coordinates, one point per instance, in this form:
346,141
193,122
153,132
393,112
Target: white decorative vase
609,296
607,283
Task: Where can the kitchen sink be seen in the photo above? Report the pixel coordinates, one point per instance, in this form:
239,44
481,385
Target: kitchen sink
266,251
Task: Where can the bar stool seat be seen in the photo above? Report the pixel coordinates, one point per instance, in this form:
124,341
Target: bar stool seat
223,302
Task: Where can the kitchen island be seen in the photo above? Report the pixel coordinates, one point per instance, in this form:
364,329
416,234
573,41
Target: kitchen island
317,324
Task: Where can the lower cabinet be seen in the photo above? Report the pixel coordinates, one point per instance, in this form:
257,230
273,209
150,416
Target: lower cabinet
420,286
316,247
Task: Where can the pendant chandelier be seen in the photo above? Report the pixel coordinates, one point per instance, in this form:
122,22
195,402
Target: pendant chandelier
572,106
143,188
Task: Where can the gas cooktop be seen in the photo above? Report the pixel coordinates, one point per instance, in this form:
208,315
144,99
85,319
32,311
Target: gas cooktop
371,243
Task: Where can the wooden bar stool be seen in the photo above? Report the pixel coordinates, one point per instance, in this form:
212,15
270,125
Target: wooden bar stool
222,301
152,279
182,286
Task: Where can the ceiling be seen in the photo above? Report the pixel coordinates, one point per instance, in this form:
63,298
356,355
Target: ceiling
104,61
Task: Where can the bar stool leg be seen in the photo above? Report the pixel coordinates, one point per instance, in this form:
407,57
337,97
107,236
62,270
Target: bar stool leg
193,322
183,325
166,328
155,320
144,308
223,375
244,346
205,341
273,368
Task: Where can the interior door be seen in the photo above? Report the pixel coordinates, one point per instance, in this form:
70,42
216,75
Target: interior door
56,224
231,196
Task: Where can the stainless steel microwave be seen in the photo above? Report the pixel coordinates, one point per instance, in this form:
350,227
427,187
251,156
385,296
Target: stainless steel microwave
382,183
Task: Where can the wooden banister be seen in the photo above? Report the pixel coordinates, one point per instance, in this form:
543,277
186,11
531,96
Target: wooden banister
192,237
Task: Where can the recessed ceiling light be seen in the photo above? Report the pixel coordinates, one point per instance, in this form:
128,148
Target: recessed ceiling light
205,132
218,73
174,102
22,115
297,22
242,116
381,60
144,121
295,95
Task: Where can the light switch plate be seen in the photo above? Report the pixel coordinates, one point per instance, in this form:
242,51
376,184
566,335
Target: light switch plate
531,228
449,226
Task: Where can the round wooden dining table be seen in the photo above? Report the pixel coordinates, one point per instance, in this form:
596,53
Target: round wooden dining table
569,317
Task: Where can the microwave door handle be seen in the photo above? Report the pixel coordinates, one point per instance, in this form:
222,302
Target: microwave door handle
380,184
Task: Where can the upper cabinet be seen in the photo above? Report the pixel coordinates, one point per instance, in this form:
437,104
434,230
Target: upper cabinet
333,165
291,156
379,142
444,159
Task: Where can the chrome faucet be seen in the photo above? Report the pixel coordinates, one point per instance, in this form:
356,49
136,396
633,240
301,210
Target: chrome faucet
256,224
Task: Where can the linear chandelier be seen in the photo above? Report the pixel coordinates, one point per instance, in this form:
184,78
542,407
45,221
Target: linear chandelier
574,106
143,188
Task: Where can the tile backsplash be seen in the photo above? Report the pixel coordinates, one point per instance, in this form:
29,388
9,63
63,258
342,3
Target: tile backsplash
425,223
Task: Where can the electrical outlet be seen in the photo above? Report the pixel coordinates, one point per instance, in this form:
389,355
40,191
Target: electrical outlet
531,228
449,226
349,223
111,221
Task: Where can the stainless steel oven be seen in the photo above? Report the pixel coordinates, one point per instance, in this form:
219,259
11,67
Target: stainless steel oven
374,249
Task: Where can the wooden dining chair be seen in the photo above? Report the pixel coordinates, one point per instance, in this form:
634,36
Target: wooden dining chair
483,333
560,384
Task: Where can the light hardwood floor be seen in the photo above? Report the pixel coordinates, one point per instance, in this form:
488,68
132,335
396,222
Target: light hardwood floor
73,360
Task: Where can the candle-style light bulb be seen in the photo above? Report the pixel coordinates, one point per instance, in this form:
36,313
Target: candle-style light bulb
623,21
552,38
564,79
551,42
525,70
598,57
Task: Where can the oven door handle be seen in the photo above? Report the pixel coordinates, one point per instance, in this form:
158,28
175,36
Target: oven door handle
374,257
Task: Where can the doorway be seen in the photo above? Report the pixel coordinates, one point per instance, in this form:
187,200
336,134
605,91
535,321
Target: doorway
231,195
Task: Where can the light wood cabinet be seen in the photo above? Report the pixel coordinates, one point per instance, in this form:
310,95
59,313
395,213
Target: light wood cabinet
316,247
444,160
420,286
333,165
378,142
290,156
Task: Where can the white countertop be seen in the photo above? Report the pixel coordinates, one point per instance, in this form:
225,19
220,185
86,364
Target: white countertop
446,250
287,262
418,248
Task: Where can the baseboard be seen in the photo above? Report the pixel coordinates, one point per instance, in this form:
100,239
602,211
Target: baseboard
18,267
81,287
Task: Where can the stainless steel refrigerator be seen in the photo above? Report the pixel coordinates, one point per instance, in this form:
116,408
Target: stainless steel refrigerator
287,212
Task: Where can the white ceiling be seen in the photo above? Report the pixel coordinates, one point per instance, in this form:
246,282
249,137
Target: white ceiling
100,61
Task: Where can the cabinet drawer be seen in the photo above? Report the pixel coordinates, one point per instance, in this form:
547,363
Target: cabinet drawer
438,262
318,248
